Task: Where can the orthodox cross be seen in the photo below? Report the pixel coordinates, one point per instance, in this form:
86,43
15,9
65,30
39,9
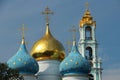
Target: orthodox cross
87,5
68,44
47,12
23,30
73,30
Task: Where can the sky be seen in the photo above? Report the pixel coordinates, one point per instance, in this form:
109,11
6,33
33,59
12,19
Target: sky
14,13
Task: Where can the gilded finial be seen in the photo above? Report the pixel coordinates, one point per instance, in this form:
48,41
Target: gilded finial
87,6
47,12
87,18
73,30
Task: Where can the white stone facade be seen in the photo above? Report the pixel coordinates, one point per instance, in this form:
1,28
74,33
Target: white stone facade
49,70
29,77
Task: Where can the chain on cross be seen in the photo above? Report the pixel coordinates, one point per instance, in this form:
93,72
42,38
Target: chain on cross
47,12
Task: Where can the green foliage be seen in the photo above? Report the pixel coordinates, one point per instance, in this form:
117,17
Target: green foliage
7,73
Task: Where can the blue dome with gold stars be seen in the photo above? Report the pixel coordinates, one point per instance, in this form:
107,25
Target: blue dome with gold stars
23,62
74,63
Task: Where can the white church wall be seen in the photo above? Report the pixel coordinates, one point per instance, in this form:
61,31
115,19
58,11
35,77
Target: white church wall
29,77
75,78
49,69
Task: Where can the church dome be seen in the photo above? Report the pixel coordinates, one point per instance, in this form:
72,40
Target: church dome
87,19
74,63
23,61
48,48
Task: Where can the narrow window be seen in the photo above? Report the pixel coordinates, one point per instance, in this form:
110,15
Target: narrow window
89,55
88,33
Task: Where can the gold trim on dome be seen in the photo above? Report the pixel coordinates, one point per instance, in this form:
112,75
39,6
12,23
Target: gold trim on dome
25,63
87,19
66,63
76,63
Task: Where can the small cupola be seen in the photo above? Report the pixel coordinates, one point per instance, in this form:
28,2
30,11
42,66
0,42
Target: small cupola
74,63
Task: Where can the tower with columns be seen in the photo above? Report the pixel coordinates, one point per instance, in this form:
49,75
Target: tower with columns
88,44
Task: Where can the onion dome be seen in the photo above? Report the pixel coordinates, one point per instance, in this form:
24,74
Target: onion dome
23,61
87,19
74,63
48,48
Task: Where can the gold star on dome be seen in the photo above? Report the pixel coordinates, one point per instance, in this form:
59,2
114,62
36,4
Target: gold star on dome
76,63
25,62
19,59
14,63
66,63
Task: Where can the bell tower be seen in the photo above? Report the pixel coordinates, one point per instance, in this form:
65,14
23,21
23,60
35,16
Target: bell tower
88,44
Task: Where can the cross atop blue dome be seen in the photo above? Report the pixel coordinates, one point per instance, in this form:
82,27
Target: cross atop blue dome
23,62
74,63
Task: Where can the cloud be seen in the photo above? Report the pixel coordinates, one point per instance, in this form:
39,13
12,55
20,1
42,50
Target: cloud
111,74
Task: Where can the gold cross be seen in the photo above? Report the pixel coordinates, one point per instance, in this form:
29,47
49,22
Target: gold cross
68,44
87,5
73,30
23,30
47,12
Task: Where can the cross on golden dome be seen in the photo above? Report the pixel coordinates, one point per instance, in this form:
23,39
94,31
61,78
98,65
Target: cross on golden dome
47,12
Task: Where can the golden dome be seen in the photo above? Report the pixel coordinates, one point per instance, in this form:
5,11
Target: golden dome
87,19
48,48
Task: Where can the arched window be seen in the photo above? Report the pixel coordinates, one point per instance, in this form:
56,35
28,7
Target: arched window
88,33
89,55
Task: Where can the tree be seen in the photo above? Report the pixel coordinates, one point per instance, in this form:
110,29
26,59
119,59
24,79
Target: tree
7,73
